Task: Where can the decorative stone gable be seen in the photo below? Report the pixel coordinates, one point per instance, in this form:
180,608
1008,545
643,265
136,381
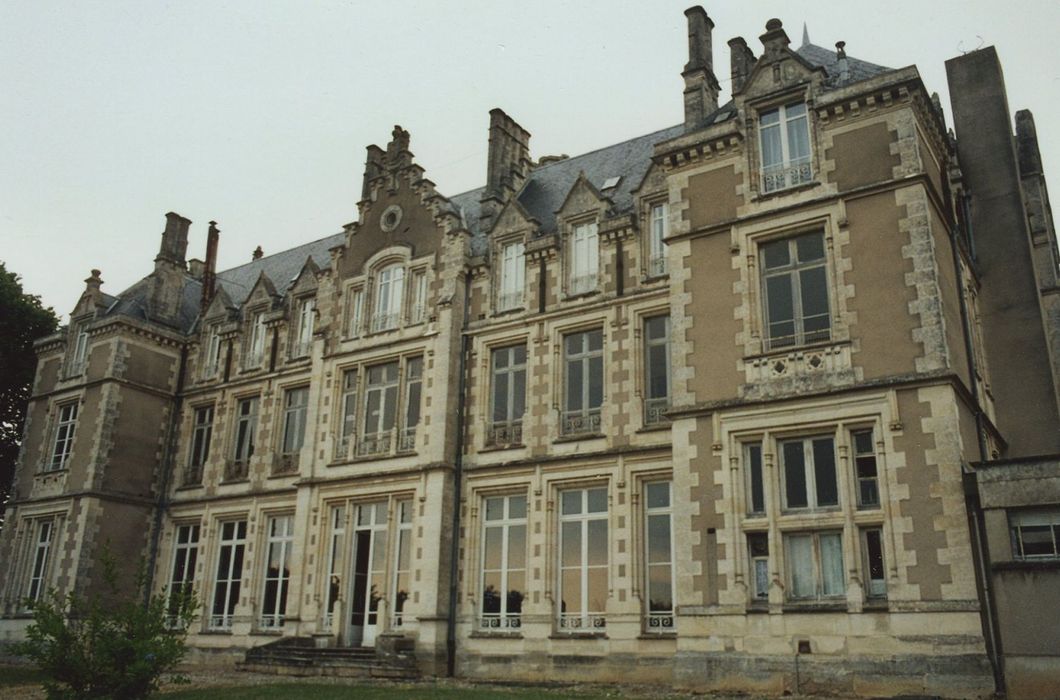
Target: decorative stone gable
778,68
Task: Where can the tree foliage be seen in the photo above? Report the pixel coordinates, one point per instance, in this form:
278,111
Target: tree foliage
22,320
109,645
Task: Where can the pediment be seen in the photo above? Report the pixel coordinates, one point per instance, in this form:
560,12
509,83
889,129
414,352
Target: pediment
263,292
306,281
582,197
513,217
779,71
220,307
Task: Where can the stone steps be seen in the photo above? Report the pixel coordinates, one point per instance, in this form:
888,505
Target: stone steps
298,657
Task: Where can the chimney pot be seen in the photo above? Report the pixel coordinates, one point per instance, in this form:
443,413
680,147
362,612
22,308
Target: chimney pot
774,24
257,254
839,49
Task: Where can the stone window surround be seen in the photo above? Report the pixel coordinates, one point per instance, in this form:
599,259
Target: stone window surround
775,522
366,285
55,406
498,247
754,108
567,227
485,386
648,202
299,347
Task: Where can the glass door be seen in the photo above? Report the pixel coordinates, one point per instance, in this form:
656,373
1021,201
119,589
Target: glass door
368,583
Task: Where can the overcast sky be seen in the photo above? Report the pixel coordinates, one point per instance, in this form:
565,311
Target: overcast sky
257,114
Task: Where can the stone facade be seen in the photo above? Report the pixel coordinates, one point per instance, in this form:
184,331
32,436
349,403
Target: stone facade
697,408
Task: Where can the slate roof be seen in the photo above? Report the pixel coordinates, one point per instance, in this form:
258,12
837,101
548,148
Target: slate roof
542,195
857,69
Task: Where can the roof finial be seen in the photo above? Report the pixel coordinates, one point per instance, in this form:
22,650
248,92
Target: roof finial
805,35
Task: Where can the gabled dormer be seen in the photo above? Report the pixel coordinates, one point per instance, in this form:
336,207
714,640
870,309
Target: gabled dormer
302,303
578,220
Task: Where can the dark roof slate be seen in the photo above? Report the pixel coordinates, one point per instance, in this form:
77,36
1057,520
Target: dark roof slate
282,268
857,69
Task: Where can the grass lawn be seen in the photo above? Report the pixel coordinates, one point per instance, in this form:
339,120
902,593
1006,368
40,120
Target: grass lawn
321,691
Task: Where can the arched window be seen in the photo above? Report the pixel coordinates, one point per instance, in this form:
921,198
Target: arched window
389,291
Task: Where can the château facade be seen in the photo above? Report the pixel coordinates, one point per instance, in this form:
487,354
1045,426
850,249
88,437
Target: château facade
706,407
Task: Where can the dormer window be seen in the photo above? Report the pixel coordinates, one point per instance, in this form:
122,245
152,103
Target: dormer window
213,352
77,363
659,226
584,259
256,349
389,292
785,137
512,277
305,328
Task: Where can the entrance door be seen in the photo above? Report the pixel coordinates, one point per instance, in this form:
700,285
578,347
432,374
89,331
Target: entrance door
368,582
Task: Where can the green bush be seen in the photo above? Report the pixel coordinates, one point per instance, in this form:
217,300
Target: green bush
109,644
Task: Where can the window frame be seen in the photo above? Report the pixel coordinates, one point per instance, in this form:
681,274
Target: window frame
402,565
511,275
508,431
793,271
283,540
211,365
758,589
255,356
233,580
244,442
389,297
378,442
583,273
303,337
411,405
65,431
40,557
355,312
182,576
817,565
858,457
661,621
504,618
792,171
201,438
658,229
584,620
656,406
1020,519
294,417
875,587
810,469
588,418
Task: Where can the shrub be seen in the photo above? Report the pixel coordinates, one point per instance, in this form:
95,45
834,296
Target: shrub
107,646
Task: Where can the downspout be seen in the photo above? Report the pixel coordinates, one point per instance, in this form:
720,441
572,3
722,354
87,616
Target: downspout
166,465
458,473
976,527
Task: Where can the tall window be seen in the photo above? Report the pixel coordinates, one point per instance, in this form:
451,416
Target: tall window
334,582
659,226
201,433
77,364
872,562
304,340
256,351
584,366
508,395
756,492
356,313
277,571
246,427
656,369
865,469
213,352
1035,533
512,277
785,138
808,467
381,398
229,572
503,562
41,556
584,259
659,555
64,436
295,403
418,310
402,563
758,549
389,292
815,565
795,290
413,393
182,573
583,557
348,427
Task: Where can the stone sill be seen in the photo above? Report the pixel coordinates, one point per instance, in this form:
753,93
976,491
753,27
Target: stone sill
579,436
659,636
575,635
1027,565
266,633
662,427
495,635
766,196
502,448
814,607
806,347
190,487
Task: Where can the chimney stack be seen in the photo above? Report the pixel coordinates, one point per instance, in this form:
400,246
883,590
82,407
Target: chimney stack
742,60
209,274
174,240
701,85
507,164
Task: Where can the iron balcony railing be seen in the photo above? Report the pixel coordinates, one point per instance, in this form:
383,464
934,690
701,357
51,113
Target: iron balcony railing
785,175
580,422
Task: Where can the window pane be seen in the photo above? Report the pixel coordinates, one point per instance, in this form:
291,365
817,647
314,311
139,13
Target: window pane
874,557
596,340
597,541
776,254
771,150
571,502
516,547
571,542
810,247
798,136
500,397
658,494
516,592
814,290
660,589
518,394
754,466
574,385
832,564
1037,540
597,589
824,472
572,591
491,549
596,382
800,549
658,380
658,538
794,475
517,507
494,508
597,500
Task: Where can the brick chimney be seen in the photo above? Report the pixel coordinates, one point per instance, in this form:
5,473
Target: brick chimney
742,61
701,85
209,273
507,164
